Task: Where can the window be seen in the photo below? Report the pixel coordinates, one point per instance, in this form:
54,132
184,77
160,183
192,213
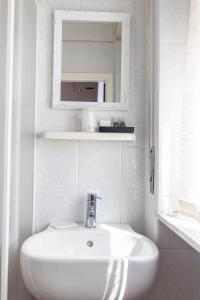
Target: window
190,123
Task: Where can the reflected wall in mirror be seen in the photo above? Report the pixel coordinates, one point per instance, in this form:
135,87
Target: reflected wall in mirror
87,87
91,60
87,49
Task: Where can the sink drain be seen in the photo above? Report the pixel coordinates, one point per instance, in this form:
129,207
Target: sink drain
90,243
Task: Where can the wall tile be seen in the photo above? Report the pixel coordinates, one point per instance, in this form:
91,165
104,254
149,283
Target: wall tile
108,208
137,80
138,54
140,9
44,78
170,107
45,35
151,221
135,116
99,164
169,172
132,209
56,120
169,127
132,37
173,28
55,205
47,7
56,165
108,5
133,167
140,28
172,69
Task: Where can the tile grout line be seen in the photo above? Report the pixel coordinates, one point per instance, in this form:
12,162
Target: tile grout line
76,172
121,182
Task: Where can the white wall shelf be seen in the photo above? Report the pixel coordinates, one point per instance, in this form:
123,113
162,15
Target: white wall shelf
87,136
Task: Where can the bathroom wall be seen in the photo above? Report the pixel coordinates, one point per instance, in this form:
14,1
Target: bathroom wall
174,24
67,170
179,269
24,74
3,20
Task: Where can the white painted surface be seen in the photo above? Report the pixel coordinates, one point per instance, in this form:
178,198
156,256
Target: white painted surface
117,253
187,229
87,16
7,94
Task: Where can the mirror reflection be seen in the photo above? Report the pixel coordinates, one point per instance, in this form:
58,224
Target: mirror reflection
91,62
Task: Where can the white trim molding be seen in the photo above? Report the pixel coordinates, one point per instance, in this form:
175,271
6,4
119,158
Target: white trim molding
10,17
184,227
101,17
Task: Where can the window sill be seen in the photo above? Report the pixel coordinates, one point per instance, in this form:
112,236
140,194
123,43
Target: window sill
186,228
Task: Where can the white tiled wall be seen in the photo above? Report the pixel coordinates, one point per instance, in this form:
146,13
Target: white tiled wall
174,22
179,267
66,171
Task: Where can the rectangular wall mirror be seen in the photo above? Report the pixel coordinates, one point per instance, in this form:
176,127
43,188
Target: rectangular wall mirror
91,60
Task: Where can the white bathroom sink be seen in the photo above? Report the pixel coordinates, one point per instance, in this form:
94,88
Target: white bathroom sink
111,262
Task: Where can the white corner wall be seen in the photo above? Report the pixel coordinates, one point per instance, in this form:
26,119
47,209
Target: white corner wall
179,269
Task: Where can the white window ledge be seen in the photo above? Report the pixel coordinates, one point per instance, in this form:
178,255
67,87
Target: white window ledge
187,229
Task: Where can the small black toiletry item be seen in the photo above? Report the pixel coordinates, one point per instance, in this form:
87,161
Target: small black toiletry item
122,124
115,124
116,129
119,123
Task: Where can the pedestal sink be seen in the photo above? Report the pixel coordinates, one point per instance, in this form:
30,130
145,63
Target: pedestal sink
111,262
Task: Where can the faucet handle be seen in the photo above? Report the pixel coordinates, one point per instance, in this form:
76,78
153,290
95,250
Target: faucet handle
96,196
93,197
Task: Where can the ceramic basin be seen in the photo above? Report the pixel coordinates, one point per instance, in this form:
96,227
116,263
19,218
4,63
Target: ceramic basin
111,262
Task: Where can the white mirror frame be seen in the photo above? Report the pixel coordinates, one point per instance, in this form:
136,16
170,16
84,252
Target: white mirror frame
62,15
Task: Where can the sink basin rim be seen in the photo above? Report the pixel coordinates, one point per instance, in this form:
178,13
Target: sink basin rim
126,227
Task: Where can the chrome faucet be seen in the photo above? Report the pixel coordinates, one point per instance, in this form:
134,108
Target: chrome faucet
91,210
